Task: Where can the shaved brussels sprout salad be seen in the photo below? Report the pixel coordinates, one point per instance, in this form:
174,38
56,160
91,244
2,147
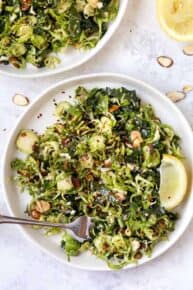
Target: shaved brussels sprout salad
101,159
34,31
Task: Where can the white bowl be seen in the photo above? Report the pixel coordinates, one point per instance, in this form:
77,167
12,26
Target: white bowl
72,57
164,109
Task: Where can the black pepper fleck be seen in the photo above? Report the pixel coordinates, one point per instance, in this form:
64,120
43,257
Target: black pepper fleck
39,116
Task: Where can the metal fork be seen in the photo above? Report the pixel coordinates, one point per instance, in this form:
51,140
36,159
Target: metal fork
79,228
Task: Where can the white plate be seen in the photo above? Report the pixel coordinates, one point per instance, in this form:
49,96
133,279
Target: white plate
72,57
164,108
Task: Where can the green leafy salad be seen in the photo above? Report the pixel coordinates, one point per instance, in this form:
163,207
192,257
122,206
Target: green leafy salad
101,159
33,31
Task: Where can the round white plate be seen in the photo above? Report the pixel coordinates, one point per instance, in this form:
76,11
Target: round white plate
164,109
72,57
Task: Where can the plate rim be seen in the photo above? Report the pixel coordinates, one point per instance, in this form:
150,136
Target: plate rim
104,75
100,45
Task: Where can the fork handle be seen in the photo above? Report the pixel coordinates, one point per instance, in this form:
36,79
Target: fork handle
22,221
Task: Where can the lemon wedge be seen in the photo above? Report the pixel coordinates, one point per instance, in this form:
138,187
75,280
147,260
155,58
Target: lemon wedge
173,182
176,18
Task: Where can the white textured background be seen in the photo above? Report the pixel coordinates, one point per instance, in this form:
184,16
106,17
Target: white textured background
133,51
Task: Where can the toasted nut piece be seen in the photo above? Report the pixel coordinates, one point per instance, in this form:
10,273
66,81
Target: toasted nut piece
93,3
136,139
120,195
165,61
66,141
76,182
35,214
14,61
162,224
42,206
187,89
135,135
65,165
114,108
25,5
89,11
24,172
108,163
188,50
20,100
175,96
138,255
136,143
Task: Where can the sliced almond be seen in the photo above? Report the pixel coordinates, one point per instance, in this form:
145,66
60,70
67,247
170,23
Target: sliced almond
25,5
114,108
20,100
42,206
138,256
76,182
108,163
176,96
35,214
187,89
136,139
188,50
165,61
120,195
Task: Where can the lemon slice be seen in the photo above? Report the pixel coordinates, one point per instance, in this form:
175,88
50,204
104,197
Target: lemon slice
173,182
176,18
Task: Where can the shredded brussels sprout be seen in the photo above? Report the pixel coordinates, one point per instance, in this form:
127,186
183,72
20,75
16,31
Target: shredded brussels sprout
32,30
101,159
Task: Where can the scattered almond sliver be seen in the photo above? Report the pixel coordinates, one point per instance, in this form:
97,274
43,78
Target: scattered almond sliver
187,89
20,100
176,96
165,61
188,50
42,206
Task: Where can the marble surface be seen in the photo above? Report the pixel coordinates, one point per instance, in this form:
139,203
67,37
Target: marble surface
132,50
